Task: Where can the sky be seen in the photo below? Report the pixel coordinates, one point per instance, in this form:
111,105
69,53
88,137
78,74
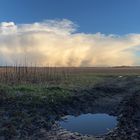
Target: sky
70,32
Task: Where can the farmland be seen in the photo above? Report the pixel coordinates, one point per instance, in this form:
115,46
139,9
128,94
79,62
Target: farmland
31,75
33,98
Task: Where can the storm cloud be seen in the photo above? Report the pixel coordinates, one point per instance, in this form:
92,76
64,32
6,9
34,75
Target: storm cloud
57,43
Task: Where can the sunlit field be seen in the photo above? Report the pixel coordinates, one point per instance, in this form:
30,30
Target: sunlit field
61,75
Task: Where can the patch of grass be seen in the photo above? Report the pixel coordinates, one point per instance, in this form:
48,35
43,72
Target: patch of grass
25,88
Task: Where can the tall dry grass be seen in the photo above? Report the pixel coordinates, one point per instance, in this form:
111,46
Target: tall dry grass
23,74
33,74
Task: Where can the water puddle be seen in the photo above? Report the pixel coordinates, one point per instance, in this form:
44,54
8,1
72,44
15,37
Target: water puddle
91,124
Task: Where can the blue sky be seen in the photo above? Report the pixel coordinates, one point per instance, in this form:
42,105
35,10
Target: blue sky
108,32
105,16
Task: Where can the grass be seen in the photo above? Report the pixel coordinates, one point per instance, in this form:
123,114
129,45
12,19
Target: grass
34,85
55,83
30,95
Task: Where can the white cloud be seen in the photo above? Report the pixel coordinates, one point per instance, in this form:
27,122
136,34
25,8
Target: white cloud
56,43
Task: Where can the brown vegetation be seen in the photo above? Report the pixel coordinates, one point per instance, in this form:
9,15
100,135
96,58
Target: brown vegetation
18,74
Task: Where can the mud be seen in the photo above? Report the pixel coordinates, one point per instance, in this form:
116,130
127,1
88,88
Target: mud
118,96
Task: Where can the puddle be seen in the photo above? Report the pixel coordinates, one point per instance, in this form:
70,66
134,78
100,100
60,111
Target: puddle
91,124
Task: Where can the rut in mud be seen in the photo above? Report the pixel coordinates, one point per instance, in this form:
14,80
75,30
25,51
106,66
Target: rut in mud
119,98
23,118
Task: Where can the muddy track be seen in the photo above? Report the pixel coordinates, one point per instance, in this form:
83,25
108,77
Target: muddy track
117,96
128,127
119,99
